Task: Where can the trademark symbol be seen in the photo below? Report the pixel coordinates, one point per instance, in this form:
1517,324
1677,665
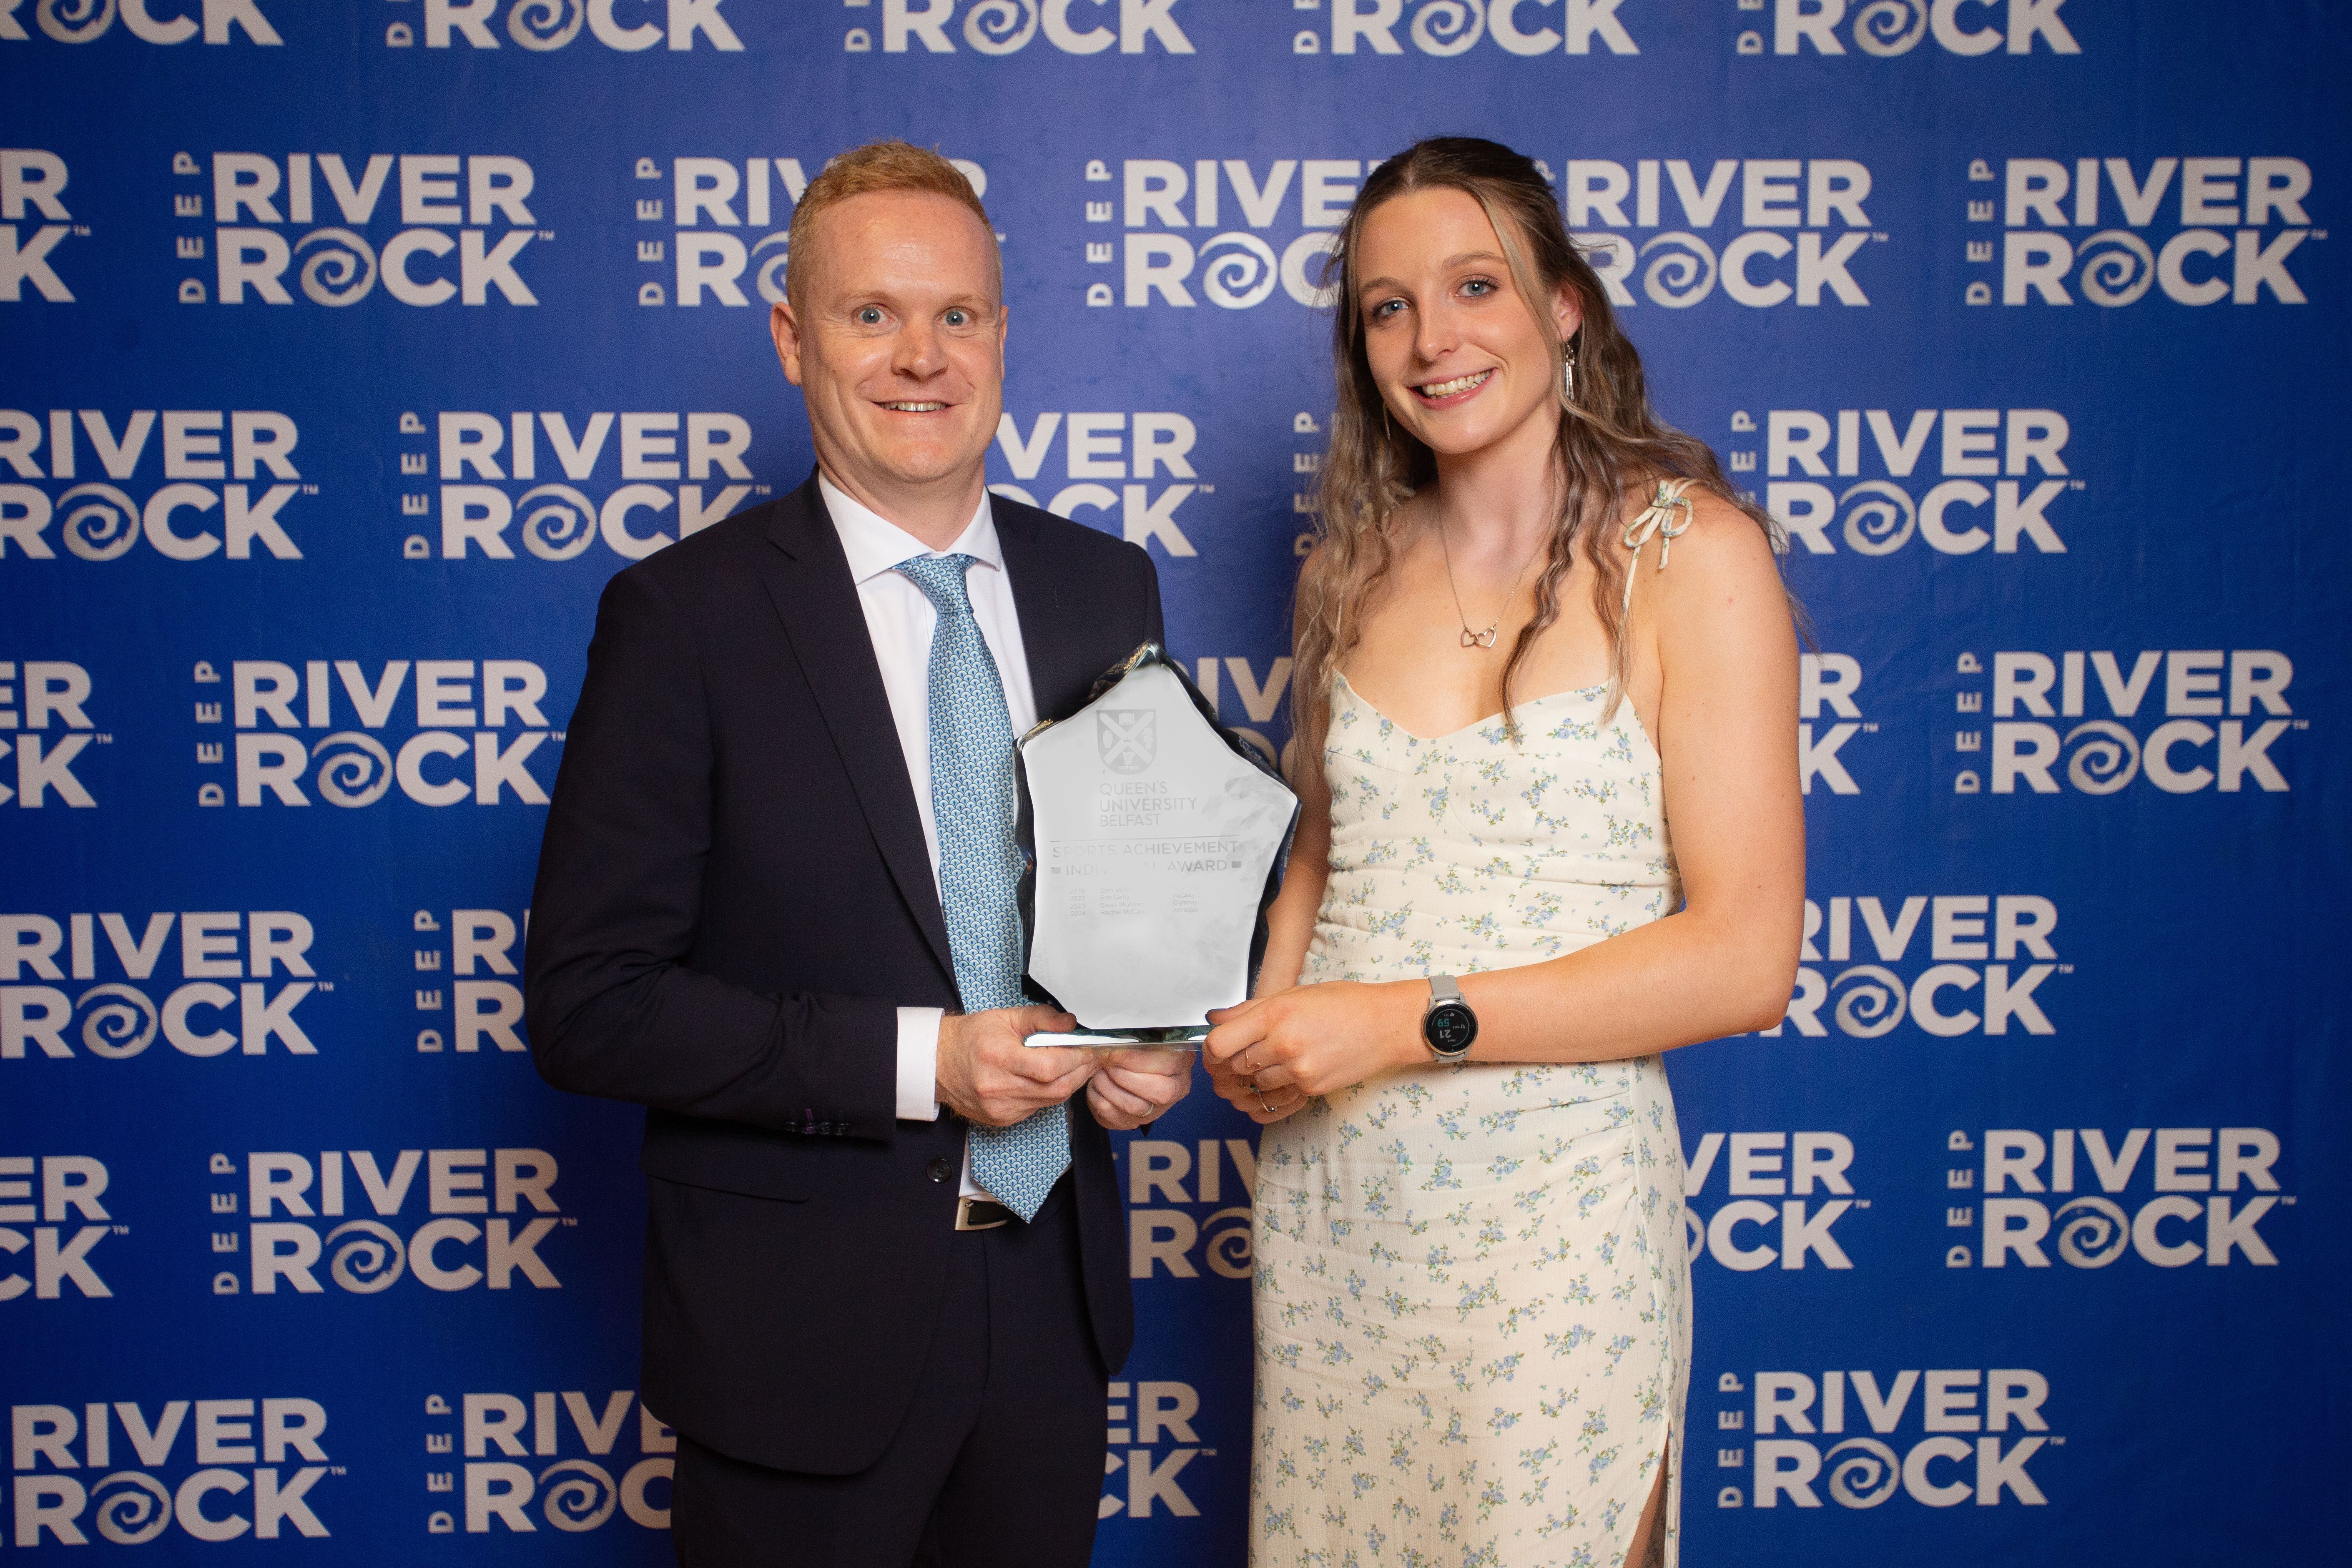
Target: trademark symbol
1861,1203
106,740
2288,1202
1208,490
337,1470
1870,728
547,234
310,489
81,231
2303,723
1207,1453
2065,968
326,985
1880,238
2315,233
123,1230
2057,1442
761,491
569,1222
556,735
2078,484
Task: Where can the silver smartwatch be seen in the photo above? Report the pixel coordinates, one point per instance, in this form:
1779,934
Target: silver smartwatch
1449,1026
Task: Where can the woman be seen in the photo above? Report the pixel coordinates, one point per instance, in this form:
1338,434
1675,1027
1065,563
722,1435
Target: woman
1472,1332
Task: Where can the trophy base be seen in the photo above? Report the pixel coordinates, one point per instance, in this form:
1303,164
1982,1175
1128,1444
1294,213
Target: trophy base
1184,1037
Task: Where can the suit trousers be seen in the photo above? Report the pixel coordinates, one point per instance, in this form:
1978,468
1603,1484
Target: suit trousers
997,1464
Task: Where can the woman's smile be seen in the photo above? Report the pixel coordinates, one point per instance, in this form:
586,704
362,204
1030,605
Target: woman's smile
1450,393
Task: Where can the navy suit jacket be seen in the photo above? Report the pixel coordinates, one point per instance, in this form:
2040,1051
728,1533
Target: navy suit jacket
733,900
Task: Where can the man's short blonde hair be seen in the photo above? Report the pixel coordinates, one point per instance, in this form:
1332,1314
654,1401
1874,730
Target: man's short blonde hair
892,165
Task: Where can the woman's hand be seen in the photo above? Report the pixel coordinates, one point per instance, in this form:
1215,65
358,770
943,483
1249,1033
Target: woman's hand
1270,1056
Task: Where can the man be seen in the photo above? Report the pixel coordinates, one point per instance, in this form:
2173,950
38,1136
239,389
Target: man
776,906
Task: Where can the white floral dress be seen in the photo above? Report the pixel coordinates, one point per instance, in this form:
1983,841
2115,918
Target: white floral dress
1472,1330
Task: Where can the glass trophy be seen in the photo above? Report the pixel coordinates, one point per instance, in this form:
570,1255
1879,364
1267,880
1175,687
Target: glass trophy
1156,841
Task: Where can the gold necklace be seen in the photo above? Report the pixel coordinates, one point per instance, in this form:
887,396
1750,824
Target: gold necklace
1485,639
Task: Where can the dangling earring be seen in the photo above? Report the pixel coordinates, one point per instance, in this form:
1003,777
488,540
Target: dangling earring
1568,371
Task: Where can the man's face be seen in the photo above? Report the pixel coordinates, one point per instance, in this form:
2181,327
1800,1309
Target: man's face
896,340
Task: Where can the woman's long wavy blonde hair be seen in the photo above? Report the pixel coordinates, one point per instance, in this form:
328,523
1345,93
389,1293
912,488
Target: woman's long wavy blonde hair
1610,441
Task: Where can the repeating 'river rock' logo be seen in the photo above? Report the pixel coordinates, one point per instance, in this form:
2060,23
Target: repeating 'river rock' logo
1674,253
604,1464
31,182
2084,754
1783,1165
259,1463
322,730
305,1218
2159,1223
1956,993
995,28
1877,461
1448,29
2240,220
497,470
86,21
309,215
1932,1436
104,1001
543,27
54,691
1888,29
97,519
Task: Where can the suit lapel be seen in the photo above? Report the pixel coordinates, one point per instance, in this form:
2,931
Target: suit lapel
808,580
1062,668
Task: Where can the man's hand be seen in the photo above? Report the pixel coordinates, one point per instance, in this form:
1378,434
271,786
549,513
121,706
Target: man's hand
1133,1087
986,1075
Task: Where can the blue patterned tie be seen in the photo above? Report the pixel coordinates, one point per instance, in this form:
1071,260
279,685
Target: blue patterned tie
973,804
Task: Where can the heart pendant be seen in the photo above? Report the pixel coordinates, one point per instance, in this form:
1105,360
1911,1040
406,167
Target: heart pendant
1478,640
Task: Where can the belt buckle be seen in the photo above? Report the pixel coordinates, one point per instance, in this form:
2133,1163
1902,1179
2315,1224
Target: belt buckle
964,1207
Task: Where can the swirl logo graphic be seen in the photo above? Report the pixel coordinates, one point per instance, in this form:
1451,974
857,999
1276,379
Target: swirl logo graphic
544,24
1881,522
1243,276
999,26
103,526
2107,762
1864,1478
770,274
1876,1003
1683,274
2115,267
2091,1233
1447,27
342,272
559,522
76,21
582,1499
372,1261
133,1508
1228,1250
1887,27
357,769
120,1025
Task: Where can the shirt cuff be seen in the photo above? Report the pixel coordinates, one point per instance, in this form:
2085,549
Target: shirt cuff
918,1063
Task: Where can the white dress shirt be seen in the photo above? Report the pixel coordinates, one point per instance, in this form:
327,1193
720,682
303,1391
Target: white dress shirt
900,620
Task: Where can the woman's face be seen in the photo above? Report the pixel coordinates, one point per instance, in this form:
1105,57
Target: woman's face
1454,348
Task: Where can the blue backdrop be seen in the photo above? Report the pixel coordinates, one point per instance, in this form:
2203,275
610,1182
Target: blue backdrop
347,346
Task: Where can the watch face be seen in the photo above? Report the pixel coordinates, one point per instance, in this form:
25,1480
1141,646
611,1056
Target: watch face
1450,1027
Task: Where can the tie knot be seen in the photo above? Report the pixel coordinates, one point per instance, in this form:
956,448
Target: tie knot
940,577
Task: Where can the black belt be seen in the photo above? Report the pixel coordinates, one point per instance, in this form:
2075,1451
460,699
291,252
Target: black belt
981,1213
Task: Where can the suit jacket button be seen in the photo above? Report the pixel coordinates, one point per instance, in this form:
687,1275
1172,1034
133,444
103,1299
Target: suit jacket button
937,1170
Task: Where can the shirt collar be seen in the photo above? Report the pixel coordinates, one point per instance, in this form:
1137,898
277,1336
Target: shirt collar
875,545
